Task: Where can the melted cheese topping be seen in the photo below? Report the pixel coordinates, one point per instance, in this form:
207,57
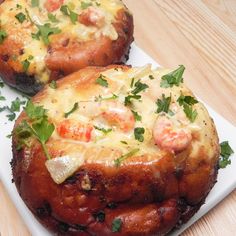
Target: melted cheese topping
106,9
107,147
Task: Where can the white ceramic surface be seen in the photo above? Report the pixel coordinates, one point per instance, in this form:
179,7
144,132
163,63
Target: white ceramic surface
226,178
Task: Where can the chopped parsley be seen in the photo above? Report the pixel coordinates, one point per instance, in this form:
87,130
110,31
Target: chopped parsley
102,81
137,117
75,107
187,102
138,134
3,35
139,87
34,3
225,151
105,131
53,84
116,225
100,98
68,12
190,112
128,99
18,6
124,142
26,63
173,78
40,127
85,5
15,107
2,98
151,77
100,216
44,31
52,18
1,84
118,161
163,104
21,17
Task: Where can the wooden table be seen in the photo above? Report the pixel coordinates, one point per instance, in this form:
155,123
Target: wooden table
200,34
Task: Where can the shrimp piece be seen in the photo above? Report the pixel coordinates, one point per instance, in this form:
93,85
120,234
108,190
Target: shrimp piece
118,114
92,17
73,130
53,5
168,137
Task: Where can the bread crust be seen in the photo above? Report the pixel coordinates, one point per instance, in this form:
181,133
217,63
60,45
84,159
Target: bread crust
146,204
65,54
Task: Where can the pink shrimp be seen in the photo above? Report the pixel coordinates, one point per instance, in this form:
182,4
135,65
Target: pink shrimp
74,130
92,17
114,113
168,137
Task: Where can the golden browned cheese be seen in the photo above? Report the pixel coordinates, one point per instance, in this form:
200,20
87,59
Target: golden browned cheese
159,186
48,41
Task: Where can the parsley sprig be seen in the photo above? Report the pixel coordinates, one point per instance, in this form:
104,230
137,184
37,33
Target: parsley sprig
116,225
163,104
225,151
68,12
38,126
134,94
173,78
3,35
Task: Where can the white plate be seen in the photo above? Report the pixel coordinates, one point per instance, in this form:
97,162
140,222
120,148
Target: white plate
226,178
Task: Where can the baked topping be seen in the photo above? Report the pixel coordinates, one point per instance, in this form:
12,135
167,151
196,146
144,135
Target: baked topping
34,24
123,114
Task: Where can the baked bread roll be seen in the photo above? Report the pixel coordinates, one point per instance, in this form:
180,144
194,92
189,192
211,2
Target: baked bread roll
115,150
44,40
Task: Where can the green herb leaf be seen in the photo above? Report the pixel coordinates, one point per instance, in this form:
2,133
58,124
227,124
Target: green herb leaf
2,98
3,35
225,152
45,31
163,104
173,78
15,105
139,87
52,18
34,3
119,160
53,84
102,81
190,112
116,225
128,99
11,116
34,112
85,5
137,117
138,134
41,129
75,107
100,216
105,131
20,17
18,6
124,142
151,77
25,65
100,98
186,100
68,12
1,84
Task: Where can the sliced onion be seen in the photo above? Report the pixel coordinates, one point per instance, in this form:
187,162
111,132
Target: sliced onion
60,168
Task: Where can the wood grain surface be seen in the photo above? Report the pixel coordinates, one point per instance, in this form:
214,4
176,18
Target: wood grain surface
200,34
